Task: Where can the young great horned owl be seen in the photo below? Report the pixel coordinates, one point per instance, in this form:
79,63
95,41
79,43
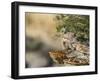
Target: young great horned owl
67,41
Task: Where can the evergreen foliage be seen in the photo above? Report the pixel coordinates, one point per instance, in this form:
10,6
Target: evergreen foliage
78,24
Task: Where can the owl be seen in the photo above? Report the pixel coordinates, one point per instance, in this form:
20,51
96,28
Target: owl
67,41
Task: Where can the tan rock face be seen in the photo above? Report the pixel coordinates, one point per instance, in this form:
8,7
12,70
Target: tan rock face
43,27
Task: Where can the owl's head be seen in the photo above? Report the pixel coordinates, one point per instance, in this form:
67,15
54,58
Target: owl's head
68,36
